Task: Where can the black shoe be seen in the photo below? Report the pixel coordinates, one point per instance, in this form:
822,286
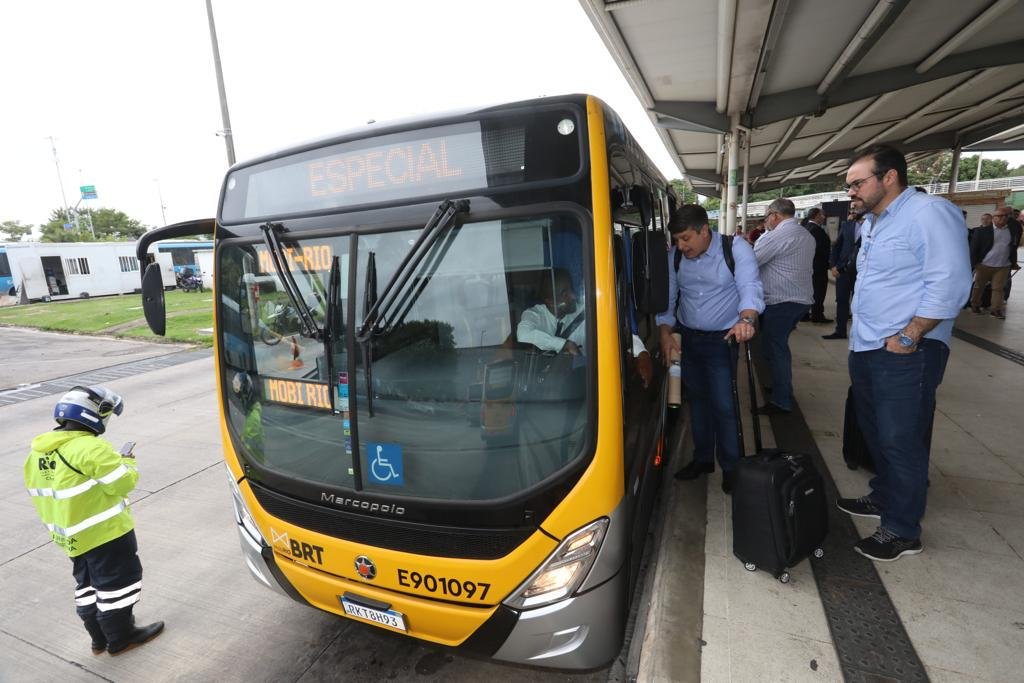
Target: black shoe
822,321
728,482
859,507
885,546
834,335
694,470
772,409
999,314
137,636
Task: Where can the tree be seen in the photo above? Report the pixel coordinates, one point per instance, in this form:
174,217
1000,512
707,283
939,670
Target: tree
109,225
936,169
684,191
13,231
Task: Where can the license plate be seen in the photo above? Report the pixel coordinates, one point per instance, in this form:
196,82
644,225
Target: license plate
389,618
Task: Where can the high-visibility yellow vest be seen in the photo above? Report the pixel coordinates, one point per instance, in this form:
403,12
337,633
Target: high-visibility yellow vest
78,483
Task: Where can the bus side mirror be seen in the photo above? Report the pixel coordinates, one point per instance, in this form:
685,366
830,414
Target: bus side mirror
153,299
650,272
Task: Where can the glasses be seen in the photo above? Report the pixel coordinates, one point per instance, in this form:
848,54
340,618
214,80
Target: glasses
855,185
1000,215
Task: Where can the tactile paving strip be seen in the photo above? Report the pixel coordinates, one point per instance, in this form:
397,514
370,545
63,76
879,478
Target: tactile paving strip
100,376
990,346
870,641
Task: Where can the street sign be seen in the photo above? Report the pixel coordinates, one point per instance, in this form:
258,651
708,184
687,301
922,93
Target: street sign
88,191
68,226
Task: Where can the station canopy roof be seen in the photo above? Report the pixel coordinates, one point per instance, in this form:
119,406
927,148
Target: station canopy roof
815,80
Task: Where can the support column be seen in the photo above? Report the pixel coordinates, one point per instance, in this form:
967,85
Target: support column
731,177
746,178
954,172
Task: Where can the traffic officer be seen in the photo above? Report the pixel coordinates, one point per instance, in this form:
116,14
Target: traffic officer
78,483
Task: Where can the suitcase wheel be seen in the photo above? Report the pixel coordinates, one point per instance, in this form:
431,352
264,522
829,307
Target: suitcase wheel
750,566
819,553
784,578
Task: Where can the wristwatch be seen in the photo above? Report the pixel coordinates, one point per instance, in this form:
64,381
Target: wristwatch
747,319
905,341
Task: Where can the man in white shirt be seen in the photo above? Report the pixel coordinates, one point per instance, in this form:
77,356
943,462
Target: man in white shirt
557,323
785,258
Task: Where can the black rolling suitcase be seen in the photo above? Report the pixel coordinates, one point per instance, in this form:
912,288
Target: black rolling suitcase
855,447
779,510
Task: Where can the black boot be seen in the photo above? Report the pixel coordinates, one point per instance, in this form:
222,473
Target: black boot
695,469
99,641
137,636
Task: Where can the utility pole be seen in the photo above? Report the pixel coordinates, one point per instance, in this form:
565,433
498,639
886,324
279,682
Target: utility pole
977,173
160,195
60,181
228,140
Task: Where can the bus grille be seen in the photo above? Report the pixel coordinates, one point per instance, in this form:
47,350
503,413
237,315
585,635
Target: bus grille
410,537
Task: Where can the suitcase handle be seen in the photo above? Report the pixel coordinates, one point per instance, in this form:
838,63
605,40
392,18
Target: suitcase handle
758,444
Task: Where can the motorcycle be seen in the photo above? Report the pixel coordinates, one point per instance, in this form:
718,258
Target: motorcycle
190,282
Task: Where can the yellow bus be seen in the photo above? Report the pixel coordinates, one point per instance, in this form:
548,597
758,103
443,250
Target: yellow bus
397,453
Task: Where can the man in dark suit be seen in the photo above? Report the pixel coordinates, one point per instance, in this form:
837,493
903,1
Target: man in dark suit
843,262
993,255
822,246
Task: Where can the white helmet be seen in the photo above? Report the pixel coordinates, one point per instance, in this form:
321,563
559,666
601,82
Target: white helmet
90,407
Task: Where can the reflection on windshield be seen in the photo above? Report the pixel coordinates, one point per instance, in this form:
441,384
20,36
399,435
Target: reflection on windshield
279,403
466,407
463,409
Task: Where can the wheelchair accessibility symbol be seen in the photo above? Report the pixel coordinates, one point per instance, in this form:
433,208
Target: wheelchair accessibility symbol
385,463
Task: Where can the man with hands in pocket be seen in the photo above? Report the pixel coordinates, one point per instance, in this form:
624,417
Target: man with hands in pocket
913,275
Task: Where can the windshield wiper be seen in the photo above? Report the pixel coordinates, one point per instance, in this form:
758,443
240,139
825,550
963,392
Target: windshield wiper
380,316
369,301
333,293
307,321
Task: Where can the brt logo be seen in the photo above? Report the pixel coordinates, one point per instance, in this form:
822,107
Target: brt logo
305,551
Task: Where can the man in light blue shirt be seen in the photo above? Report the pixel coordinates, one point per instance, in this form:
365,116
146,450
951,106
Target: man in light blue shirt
913,275
715,298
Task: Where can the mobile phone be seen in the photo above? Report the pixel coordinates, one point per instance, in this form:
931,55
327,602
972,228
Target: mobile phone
127,448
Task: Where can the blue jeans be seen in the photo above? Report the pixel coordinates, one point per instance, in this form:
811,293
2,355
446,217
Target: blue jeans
894,396
708,366
777,322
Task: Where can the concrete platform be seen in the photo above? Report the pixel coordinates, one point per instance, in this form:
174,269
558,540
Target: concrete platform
961,601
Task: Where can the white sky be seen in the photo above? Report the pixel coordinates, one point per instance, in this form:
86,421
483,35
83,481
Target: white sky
127,89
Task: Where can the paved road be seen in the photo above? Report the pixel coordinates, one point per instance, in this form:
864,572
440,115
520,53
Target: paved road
221,624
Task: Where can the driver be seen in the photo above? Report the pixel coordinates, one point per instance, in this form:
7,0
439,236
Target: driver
556,324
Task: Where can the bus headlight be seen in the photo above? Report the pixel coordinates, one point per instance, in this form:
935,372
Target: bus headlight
242,515
564,570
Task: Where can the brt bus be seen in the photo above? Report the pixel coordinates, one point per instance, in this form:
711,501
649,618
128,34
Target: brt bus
369,288
6,278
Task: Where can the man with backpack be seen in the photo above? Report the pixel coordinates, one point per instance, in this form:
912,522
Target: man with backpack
715,295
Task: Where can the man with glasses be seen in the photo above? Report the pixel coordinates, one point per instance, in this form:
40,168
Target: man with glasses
993,254
785,258
913,274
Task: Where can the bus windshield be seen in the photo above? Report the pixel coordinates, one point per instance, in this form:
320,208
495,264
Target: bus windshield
474,390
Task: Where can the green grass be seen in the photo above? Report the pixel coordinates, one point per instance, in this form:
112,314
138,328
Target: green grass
119,316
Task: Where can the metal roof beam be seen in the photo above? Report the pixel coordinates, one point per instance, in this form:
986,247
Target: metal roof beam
970,82
957,39
972,111
807,101
726,38
864,113
791,132
771,36
869,33
700,117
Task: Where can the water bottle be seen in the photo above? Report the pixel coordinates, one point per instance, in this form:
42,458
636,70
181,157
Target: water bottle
675,377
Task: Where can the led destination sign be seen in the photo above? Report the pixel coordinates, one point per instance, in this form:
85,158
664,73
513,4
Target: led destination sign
435,161
296,393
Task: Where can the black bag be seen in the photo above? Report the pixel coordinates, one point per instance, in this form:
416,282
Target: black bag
779,509
855,447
